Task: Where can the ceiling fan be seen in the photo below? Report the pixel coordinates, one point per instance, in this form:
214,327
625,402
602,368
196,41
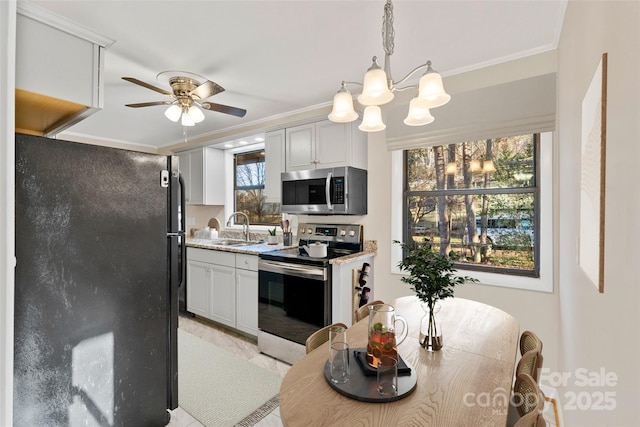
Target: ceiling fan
188,91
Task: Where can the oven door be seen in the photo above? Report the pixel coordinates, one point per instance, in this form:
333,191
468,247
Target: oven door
294,300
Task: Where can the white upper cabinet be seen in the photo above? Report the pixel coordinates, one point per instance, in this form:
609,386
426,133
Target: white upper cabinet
325,144
202,170
274,164
58,59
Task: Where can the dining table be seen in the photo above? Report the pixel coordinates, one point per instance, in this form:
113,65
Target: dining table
466,383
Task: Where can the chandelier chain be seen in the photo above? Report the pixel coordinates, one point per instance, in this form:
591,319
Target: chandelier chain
388,33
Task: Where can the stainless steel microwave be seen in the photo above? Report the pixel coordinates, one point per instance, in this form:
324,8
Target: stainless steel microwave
333,191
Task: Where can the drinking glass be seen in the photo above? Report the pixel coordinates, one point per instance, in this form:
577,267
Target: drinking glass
339,362
337,333
387,377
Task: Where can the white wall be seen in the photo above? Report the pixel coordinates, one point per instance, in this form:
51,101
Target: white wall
601,330
536,311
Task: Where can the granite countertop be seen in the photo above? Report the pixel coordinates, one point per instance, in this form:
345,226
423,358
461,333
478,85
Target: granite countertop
252,249
351,258
370,248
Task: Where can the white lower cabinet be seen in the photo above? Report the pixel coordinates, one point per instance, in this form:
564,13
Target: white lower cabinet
199,288
247,294
223,286
223,295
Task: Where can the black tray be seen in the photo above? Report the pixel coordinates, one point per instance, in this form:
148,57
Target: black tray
361,357
362,387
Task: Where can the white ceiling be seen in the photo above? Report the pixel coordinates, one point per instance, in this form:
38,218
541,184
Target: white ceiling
275,57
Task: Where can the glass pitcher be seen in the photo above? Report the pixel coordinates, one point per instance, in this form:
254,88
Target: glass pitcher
383,340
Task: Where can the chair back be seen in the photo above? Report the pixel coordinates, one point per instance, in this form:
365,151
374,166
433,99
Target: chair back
320,337
531,420
529,402
363,311
529,341
530,363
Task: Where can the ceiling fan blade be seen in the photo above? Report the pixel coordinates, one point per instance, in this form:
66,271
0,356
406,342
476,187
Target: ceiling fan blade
147,85
148,104
207,89
224,109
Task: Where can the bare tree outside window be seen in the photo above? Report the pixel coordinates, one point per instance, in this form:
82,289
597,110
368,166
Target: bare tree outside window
249,189
476,201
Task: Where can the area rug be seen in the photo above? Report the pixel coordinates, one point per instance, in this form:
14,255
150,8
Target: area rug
220,389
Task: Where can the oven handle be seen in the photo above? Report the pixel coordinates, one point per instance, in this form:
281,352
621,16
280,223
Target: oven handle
296,270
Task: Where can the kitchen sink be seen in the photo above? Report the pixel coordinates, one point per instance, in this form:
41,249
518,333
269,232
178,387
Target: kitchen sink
228,242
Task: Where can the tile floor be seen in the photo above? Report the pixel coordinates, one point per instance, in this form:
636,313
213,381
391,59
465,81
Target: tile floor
237,344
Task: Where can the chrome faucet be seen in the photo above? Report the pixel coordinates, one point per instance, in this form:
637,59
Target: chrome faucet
245,225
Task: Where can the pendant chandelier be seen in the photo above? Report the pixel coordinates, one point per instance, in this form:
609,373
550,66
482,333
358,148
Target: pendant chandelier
378,89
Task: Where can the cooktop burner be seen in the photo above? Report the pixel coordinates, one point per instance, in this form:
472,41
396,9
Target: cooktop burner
340,239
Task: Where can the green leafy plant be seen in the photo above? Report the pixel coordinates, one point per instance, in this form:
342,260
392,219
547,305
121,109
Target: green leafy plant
272,232
431,275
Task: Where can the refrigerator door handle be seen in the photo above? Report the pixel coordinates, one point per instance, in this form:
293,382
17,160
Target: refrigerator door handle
183,227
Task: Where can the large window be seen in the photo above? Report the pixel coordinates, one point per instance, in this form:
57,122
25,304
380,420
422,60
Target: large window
249,172
476,201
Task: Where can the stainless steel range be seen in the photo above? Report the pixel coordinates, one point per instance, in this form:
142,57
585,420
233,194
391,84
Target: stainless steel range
295,289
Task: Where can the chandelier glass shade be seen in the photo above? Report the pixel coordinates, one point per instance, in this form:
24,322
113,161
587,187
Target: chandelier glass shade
419,113
372,119
374,87
431,90
343,111
474,165
378,89
488,166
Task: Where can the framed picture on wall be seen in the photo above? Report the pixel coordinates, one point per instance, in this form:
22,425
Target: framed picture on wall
592,176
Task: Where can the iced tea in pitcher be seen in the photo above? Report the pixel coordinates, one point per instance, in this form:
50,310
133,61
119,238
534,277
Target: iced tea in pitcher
382,333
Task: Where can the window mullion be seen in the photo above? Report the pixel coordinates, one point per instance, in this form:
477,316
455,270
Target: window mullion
473,191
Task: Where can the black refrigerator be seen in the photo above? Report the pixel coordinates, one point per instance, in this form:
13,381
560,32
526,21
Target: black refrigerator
98,247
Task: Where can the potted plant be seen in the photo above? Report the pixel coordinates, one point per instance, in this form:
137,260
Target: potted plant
272,239
432,277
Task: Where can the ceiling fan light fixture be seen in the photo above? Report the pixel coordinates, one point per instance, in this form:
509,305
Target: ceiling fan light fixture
188,93
195,114
187,120
173,113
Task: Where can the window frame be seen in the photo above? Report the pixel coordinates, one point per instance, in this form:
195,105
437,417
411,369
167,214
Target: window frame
230,186
534,189
544,235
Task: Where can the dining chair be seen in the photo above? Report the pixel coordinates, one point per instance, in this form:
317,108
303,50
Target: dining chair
320,337
528,401
530,363
363,311
529,341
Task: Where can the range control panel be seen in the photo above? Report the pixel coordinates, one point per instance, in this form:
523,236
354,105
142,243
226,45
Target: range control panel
348,233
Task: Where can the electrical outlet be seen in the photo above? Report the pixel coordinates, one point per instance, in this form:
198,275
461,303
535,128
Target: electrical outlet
191,221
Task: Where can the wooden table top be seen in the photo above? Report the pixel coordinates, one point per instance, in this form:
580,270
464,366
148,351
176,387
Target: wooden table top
467,383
